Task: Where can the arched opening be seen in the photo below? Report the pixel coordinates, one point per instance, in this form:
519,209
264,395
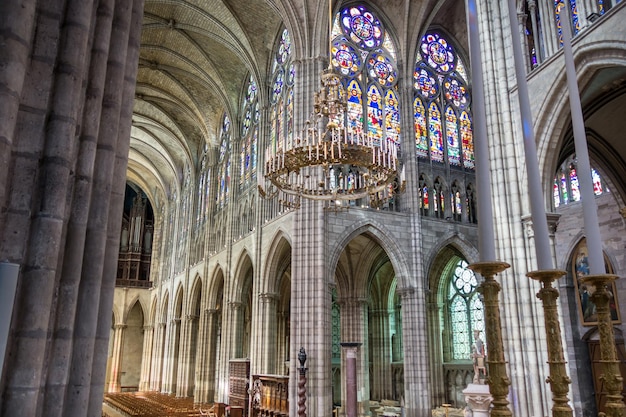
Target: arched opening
132,350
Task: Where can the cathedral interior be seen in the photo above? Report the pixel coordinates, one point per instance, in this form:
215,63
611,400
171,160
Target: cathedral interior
271,208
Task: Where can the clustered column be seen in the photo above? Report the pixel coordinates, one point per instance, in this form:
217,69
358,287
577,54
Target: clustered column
67,92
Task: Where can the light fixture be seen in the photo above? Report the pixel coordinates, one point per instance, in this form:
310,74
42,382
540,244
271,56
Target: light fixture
328,161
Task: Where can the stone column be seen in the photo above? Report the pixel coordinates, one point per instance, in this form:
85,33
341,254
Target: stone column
156,373
116,358
14,67
146,360
186,379
417,383
269,333
38,153
208,361
381,350
236,333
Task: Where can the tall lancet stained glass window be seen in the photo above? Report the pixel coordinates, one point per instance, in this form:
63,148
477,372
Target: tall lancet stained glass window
441,104
465,310
224,164
281,94
364,54
249,135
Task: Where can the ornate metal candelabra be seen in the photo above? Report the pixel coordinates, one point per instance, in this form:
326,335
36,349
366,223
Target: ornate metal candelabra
497,379
613,381
558,379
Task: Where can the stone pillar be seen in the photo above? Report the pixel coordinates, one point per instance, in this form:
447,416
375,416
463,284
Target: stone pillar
268,336
146,360
156,373
172,358
187,361
417,383
14,67
209,368
381,350
236,342
41,110
116,358
98,317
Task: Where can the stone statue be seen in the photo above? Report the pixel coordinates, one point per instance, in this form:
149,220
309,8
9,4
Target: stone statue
478,358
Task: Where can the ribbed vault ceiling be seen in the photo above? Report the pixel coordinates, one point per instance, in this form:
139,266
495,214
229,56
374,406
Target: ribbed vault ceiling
195,58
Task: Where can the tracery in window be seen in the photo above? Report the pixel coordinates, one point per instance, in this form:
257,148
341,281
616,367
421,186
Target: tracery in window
566,188
224,164
364,54
249,135
465,309
203,187
281,94
441,104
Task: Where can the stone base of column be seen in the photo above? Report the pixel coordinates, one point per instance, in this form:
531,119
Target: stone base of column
478,398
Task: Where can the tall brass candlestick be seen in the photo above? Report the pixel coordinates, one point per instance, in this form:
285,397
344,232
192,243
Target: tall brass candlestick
497,379
613,381
558,379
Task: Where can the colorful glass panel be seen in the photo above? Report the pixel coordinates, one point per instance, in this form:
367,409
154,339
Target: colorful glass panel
573,181
466,311
345,59
355,107
362,27
555,194
456,93
284,48
597,182
438,53
278,85
374,115
392,116
380,69
425,82
452,134
467,140
435,133
364,55
421,133
564,193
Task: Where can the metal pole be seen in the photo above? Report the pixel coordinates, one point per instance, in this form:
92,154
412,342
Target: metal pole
486,240
535,188
583,168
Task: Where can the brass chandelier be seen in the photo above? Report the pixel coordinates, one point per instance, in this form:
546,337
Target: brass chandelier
328,161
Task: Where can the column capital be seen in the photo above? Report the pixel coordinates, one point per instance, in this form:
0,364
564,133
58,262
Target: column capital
268,297
235,305
120,326
210,311
148,327
175,320
162,324
191,317
406,293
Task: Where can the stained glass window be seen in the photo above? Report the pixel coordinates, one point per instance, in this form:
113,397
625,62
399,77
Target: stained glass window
224,164
364,54
249,133
281,94
440,86
465,309
566,187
